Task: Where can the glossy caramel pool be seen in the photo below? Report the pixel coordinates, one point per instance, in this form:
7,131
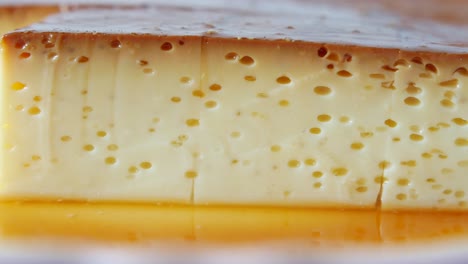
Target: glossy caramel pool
140,224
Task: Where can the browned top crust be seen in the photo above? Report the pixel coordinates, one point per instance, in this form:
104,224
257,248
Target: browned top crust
433,25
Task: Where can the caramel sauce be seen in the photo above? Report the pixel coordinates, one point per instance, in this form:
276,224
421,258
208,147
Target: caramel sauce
140,224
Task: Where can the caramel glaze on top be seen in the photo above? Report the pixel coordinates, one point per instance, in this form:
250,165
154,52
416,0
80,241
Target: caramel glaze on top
426,26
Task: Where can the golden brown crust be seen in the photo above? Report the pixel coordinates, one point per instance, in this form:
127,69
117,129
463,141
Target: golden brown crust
400,25
17,39
340,25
